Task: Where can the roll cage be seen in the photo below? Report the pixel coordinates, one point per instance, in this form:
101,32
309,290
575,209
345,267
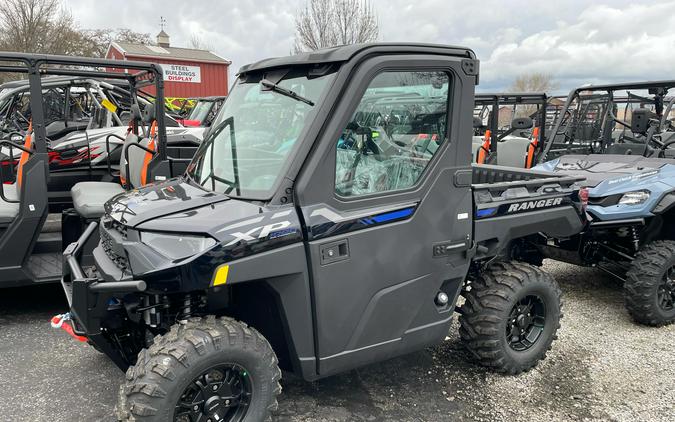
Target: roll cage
21,244
590,115
66,94
532,105
37,65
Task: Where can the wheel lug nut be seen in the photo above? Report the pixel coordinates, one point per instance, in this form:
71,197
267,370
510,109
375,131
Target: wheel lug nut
195,408
215,387
227,402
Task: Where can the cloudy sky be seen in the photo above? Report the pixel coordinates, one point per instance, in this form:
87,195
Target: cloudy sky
577,41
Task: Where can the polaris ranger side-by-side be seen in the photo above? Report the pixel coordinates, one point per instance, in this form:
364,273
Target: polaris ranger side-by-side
330,219
620,139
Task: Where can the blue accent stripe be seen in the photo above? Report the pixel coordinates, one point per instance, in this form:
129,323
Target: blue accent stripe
393,215
487,212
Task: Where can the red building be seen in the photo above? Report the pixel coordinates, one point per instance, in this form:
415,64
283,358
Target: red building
188,72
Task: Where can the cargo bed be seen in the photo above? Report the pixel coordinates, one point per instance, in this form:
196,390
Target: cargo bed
514,203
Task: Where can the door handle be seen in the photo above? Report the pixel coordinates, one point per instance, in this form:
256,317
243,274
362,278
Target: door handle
453,247
446,248
334,251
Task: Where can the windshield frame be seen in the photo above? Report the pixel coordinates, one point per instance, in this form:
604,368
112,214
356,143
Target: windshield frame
297,152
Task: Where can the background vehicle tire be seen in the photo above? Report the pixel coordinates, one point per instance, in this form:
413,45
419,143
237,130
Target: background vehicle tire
510,317
206,366
650,284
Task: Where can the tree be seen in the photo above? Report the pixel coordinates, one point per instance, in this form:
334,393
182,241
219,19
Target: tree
528,82
43,26
328,23
534,82
96,41
198,43
38,26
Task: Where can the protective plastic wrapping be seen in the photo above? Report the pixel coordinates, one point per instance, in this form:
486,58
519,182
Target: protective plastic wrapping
359,174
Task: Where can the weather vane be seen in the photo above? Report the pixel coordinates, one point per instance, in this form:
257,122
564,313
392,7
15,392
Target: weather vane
162,23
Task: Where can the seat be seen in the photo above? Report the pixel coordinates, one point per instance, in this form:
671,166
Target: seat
89,198
513,151
9,210
483,152
532,148
476,145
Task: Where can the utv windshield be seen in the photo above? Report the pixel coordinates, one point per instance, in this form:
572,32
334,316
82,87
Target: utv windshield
201,111
256,131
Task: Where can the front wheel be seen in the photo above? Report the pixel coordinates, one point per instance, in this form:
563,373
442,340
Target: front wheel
217,370
510,317
650,284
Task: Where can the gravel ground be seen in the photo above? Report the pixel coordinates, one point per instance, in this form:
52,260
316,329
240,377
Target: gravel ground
603,367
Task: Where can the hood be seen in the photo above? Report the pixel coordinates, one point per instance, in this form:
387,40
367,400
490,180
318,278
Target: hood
607,169
217,219
156,200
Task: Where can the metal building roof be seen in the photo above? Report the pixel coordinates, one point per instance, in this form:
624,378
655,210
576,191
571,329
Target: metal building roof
175,53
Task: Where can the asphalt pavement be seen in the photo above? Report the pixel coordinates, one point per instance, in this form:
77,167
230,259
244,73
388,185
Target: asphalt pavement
602,367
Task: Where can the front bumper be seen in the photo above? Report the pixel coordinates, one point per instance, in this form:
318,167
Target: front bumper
89,298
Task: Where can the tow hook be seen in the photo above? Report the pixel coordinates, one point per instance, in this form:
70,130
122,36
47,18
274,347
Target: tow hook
61,321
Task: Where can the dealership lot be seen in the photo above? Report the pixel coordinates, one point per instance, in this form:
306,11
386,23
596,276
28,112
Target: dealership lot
603,367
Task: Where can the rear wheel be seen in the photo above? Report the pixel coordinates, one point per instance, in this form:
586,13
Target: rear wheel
650,284
510,317
217,370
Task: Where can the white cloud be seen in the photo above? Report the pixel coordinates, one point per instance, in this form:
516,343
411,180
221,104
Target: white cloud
604,44
576,41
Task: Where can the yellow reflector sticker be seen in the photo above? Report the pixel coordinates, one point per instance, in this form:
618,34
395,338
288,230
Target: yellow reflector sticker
108,105
221,275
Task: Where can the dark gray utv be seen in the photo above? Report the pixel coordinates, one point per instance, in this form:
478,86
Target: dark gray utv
331,219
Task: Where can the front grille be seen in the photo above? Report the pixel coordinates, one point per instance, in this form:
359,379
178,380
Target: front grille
108,242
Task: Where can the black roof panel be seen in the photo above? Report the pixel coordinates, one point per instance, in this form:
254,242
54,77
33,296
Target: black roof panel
346,52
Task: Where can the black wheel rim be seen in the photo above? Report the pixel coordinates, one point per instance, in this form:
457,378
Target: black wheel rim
526,323
665,294
222,393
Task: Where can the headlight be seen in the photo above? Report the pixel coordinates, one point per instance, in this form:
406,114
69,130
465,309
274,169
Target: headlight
176,246
634,198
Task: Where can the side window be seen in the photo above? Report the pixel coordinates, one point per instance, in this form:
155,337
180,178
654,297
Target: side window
394,133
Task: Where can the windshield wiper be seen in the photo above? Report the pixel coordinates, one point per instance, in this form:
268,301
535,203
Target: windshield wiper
283,91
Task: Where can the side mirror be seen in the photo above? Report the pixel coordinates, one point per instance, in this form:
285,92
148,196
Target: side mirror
522,123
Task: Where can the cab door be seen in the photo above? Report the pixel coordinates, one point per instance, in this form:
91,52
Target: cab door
387,203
